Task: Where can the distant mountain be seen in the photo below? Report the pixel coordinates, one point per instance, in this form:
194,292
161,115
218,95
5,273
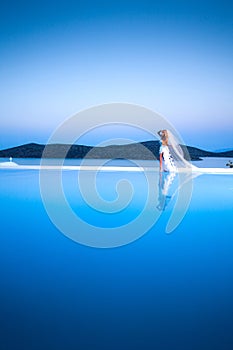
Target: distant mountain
225,154
223,150
128,151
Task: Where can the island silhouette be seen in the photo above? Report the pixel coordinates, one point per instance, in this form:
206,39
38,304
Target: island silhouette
126,151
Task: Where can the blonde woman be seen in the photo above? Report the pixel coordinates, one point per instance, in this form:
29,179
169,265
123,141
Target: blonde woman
166,161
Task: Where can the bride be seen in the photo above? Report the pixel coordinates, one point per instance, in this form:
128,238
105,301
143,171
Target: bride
166,160
171,154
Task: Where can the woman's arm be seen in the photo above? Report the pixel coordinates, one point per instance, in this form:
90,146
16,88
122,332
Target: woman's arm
161,162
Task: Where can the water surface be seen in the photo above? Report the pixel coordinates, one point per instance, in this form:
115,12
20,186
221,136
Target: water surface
159,292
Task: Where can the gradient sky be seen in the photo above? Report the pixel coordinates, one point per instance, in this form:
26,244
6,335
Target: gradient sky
174,57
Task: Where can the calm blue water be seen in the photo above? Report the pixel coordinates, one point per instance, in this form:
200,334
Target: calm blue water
159,292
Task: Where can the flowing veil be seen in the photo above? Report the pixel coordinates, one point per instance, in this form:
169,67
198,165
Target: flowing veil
179,154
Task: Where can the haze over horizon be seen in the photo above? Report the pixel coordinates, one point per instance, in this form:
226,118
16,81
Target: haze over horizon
60,57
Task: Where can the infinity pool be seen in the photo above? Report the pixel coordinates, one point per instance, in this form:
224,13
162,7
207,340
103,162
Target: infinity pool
162,291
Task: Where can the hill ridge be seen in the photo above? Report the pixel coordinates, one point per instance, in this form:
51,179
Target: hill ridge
128,151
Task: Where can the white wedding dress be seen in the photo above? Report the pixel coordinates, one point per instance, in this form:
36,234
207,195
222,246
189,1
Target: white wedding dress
168,161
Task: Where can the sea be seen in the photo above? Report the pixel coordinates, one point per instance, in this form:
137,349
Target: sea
116,260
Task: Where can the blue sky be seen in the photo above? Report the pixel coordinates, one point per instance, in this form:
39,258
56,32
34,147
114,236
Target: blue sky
174,57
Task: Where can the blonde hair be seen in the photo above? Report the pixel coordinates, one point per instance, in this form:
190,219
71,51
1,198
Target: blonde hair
164,136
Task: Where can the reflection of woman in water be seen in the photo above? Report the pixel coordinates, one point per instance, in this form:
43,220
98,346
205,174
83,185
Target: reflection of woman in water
165,181
166,160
